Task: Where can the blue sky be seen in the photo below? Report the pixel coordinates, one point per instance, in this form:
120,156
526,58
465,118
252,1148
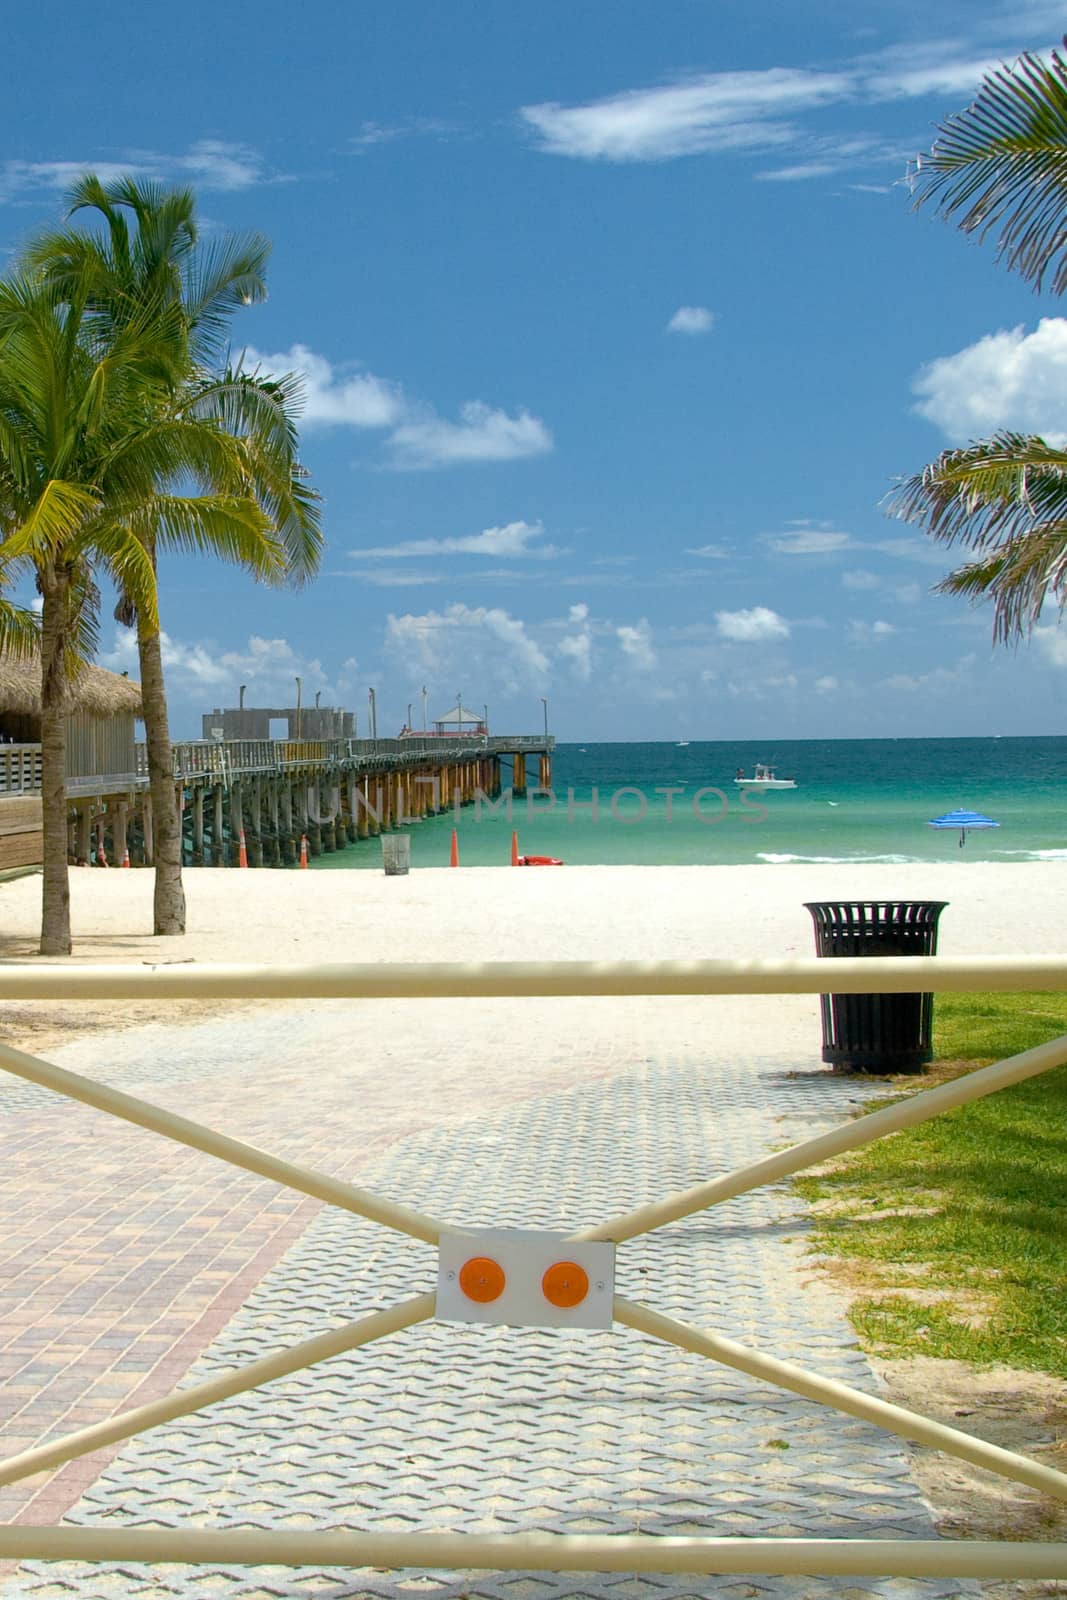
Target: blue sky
617,327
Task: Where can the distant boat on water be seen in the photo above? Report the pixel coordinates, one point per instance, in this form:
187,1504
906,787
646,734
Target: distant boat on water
683,744
764,778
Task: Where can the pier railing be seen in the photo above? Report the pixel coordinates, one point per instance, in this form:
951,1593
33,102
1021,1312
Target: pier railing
20,768
226,759
547,1552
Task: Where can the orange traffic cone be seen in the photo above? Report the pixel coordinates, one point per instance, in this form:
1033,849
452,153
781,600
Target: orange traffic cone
453,859
514,850
126,856
101,858
242,851
304,851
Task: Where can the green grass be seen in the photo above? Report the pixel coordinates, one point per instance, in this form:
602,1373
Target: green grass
965,1255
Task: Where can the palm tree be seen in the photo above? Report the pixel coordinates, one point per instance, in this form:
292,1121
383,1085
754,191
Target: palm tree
1001,166
159,266
84,444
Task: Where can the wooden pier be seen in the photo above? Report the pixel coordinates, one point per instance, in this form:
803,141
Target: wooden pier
333,792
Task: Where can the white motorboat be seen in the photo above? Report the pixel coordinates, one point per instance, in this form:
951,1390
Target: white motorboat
683,744
764,778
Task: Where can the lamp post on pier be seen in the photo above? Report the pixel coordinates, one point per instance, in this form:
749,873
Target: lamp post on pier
299,688
373,714
544,702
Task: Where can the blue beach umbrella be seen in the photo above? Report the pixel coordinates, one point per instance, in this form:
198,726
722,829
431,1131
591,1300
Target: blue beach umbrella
963,820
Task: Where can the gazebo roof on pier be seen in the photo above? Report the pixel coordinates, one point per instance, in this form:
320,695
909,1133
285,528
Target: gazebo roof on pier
458,714
96,691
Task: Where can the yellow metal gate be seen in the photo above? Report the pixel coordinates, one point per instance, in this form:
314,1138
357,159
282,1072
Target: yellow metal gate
558,1552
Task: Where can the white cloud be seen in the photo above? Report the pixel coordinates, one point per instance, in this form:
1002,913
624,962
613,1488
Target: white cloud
907,593
267,666
808,542
392,577
765,110
711,552
577,648
826,685
800,173
913,548
513,541
418,437
1052,643
485,641
717,111
870,632
212,163
356,400
757,624
691,319
482,434
909,73
1009,379
936,679
636,643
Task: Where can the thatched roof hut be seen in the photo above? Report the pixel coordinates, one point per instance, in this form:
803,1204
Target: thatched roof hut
100,726
97,693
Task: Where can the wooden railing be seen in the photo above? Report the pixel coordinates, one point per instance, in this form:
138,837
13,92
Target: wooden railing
227,759
20,768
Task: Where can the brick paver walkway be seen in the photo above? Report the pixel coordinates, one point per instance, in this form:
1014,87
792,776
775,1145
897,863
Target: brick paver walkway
483,1114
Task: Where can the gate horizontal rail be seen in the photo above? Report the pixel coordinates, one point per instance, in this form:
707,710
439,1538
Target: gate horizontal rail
544,1552
905,1558
446,980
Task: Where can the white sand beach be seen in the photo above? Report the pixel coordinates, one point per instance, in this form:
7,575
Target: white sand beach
487,914
481,913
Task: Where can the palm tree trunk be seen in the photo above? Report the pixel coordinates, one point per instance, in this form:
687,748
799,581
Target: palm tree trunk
55,701
169,902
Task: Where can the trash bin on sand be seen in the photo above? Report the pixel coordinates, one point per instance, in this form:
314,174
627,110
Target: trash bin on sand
876,1032
396,854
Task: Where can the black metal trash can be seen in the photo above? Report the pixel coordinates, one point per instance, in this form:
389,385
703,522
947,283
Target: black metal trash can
876,1032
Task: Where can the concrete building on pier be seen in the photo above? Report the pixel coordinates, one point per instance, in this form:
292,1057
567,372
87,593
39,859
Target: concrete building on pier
279,722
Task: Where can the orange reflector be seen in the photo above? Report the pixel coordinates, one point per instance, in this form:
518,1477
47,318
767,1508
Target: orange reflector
482,1279
565,1284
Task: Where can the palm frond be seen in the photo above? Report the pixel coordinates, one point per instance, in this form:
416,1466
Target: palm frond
230,528
20,631
58,515
984,493
223,277
1017,580
249,403
129,565
1001,165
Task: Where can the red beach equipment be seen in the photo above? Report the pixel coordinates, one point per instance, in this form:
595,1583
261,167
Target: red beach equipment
539,861
126,856
242,851
516,859
304,851
453,858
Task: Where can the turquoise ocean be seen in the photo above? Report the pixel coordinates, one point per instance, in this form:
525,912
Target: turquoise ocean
856,800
